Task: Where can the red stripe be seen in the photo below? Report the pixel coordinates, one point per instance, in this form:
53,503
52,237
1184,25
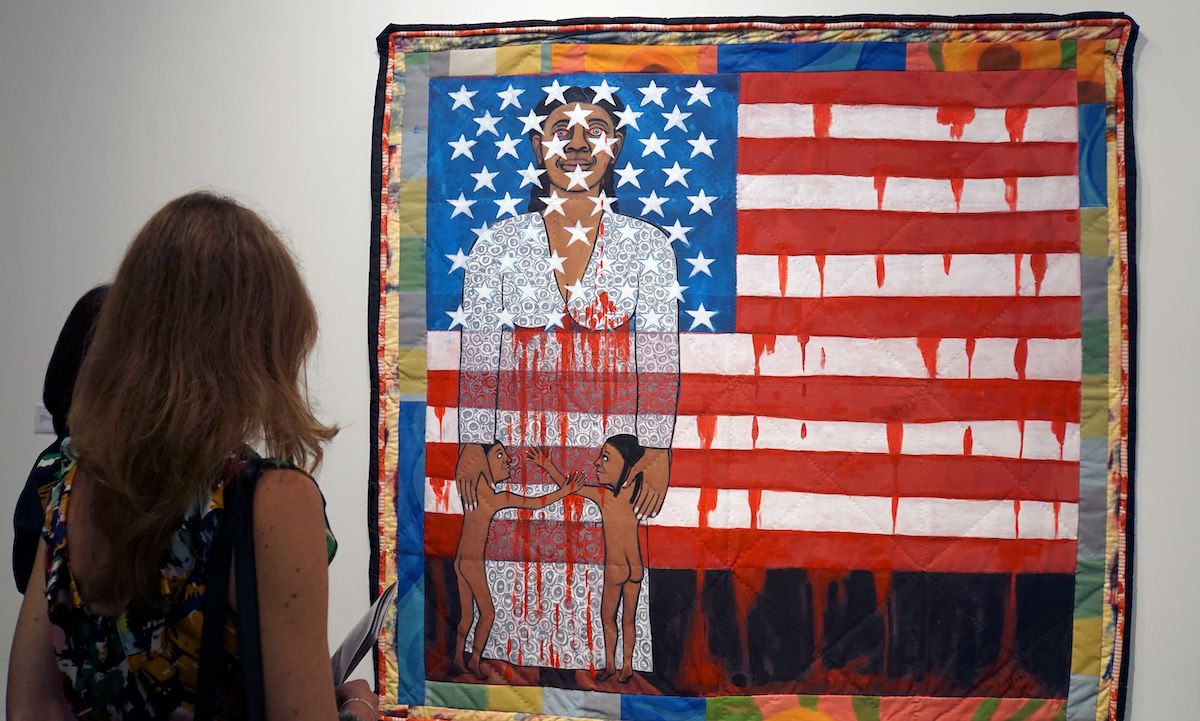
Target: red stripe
669,547
1010,317
847,232
861,474
991,89
904,158
821,398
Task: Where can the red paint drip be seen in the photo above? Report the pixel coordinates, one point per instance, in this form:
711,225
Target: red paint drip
698,670
440,412
1014,122
755,498
958,118
1021,430
1017,273
706,427
1037,263
970,343
706,505
441,493
803,341
588,620
946,258
754,433
895,437
804,430
929,352
968,441
822,358
781,264
956,187
1059,427
820,260
1057,506
880,271
1020,357
895,441
880,186
1017,517
1010,193
822,119
747,587
763,343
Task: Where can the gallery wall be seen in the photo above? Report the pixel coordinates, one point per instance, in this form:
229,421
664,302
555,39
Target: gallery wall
107,110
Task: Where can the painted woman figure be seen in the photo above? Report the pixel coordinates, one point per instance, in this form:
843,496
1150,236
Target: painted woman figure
623,568
569,331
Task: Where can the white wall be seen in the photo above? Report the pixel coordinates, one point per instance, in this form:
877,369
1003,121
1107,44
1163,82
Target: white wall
107,110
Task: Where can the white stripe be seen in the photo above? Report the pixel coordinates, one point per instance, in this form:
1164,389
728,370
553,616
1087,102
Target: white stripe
821,512
1002,439
910,275
733,354
903,122
922,195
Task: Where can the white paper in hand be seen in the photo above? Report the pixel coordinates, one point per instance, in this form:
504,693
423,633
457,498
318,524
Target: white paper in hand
362,637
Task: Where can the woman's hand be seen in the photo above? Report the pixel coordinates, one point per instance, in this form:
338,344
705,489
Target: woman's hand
356,699
576,481
472,463
540,457
655,467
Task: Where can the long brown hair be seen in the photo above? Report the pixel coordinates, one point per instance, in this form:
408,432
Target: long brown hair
199,350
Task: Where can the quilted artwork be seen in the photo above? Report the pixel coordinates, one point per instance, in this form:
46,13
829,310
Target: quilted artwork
754,369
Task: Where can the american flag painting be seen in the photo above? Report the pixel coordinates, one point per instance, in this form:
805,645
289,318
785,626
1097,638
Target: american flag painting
744,372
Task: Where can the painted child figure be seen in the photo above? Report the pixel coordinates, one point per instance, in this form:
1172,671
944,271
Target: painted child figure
473,587
623,570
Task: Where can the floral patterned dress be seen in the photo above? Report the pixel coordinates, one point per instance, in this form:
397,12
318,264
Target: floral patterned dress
143,663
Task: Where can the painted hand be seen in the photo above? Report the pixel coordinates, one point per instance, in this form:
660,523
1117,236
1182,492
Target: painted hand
539,457
472,463
576,481
655,467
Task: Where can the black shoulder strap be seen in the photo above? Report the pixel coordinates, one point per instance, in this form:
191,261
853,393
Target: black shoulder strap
235,534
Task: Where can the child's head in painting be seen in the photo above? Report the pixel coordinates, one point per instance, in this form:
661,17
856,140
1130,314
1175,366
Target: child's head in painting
499,462
586,125
617,457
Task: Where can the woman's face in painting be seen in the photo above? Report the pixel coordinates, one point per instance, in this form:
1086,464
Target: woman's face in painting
591,145
609,465
499,463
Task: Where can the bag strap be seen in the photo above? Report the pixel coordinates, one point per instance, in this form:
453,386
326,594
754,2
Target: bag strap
234,536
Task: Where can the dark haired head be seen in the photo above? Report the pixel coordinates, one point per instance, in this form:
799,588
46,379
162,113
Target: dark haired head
68,355
583,95
627,446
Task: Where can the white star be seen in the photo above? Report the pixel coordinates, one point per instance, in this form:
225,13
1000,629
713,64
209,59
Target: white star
700,145
483,179
531,123
461,206
603,144
458,260
575,289
506,317
675,119
676,291
649,319
676,174
629,174
462,146
578,176
603,91
484,292
579,233
507,146
628,116
628,232
554,204
652,94
627,291
507,205
487,124
578,116
651,264
652,204
533,231
463,97
554,146
457,317
482,233
654,144
699,93
531,176
701,202
602,203
677,232
555,91
528,291
509,97
702,316
700,264
507,262
555,319
556,261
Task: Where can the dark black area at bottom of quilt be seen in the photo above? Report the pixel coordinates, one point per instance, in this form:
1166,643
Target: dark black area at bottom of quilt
937,634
